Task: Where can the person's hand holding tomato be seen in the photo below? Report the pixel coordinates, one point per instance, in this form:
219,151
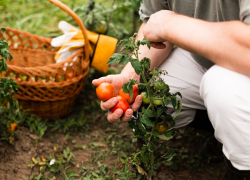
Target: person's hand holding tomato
117,81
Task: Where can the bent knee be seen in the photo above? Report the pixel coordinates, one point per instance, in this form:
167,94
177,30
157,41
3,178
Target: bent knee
221,88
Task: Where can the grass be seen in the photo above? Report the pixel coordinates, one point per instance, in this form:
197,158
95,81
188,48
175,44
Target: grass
42,18
36,17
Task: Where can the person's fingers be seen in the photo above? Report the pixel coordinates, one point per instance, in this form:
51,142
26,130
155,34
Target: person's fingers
158,45
127,116
115,116
109,104
96,82
136,105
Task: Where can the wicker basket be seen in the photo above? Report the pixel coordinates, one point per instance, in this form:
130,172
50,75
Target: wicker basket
46,88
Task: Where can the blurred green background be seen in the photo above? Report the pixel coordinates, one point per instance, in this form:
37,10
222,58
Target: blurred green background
40,17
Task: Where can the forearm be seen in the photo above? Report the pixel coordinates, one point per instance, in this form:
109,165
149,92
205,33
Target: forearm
157,56
225,43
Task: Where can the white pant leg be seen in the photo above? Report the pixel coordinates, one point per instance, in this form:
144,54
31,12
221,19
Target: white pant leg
227,97
184,76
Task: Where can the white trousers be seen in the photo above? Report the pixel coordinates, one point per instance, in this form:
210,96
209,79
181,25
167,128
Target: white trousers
224,93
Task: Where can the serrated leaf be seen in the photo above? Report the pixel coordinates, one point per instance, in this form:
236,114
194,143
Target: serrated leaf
145,41
114,58
178,93
145,62
148,113
136,65
174,101
160,111
124,59
178,110
166,100
142,127
145,120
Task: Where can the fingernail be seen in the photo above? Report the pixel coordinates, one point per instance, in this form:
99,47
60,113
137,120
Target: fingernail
119,113
140,99
115,100
129,114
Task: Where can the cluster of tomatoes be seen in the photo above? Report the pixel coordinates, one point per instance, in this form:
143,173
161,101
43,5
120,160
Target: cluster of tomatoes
106,91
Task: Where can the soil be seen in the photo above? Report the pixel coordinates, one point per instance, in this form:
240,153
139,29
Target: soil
14,159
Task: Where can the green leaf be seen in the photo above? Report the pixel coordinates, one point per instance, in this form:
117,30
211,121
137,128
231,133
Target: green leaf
178,93
167,100
145,120
145,41
2,29
167,135
160,111
124,59
148,113
115,58
151,146
136,65
169,154
142,127
179,106
174,101
163,137
145,62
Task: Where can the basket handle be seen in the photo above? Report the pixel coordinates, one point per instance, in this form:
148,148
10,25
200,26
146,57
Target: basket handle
77,19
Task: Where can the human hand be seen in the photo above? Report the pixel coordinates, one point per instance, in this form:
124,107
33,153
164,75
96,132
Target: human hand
117,81
154,28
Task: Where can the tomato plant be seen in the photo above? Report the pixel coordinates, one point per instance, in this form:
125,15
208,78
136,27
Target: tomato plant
152,126
105,91
127,96
8,105
122,104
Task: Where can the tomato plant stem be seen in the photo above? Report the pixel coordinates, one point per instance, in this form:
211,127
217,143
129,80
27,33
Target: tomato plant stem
147,87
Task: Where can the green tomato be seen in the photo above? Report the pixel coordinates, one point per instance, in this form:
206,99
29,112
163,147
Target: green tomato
145,98
101,27
160,85
157,102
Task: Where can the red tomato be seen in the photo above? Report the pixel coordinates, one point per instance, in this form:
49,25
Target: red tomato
105,91
127,96
122,104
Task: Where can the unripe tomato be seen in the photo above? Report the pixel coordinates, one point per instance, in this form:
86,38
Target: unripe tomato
127,96
105,91
160,85
157,102
161,128
101,27
122,104
145,98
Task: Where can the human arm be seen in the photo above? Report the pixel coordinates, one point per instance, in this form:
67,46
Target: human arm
157,56
227,44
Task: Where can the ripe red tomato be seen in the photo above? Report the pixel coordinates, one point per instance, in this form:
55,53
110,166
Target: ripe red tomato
122,104
105,91
127,96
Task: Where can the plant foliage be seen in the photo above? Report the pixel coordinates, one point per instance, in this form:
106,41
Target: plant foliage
154,150
8,105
